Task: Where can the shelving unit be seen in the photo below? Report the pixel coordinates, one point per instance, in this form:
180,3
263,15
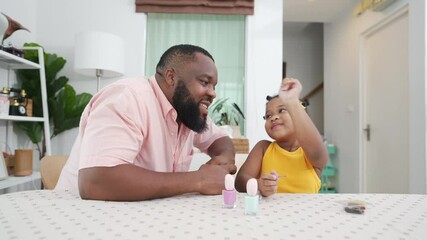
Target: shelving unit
11,62
328,172
13,181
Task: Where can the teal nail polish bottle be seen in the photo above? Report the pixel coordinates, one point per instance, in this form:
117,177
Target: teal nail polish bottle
252,199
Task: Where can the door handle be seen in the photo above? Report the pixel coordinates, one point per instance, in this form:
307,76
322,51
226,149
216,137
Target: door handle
368,132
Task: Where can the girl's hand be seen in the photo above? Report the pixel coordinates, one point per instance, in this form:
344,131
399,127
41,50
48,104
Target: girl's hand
267,184
290,90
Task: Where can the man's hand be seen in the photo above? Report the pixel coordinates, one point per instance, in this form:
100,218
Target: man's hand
212,179
224,162
222,153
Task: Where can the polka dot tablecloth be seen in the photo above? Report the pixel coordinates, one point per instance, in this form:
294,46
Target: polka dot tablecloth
47,214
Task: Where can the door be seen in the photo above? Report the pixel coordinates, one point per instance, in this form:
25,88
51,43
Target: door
386,102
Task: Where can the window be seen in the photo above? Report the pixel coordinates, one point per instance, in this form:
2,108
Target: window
221,35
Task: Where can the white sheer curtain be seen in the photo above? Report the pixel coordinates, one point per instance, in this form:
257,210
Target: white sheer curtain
221,35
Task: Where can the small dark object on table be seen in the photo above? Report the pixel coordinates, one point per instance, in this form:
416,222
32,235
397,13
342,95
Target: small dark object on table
355,209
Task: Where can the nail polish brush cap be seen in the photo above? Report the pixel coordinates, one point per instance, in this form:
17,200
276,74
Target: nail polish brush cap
252,187
229,182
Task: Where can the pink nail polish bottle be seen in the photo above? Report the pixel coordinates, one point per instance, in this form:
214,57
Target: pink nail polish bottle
229,194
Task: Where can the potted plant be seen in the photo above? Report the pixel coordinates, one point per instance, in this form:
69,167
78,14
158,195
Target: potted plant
228,114
65,106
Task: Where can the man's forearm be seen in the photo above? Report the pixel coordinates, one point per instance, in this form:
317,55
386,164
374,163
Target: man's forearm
222,147
131,183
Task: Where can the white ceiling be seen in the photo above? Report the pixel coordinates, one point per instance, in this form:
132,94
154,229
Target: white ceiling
315,10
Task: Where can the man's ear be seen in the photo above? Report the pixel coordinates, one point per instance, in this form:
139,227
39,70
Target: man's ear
170,76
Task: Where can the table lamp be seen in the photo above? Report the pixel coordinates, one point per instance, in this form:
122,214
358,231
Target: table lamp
98,54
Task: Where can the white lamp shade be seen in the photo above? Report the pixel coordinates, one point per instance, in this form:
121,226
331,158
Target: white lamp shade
99,50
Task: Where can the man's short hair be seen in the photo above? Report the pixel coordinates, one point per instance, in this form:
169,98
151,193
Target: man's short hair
179,54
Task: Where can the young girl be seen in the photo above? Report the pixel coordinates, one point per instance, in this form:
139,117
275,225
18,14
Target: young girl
293,163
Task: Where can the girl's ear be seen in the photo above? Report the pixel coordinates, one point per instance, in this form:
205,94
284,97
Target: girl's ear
170,76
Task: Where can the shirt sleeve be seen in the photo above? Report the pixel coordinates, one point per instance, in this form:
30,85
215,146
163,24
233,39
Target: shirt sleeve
113,133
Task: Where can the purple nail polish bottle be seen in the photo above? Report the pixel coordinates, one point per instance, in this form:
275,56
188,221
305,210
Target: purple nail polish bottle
229,193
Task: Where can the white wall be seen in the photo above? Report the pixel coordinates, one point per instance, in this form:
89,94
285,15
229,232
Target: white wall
341,92
341,80
27,16
418,101
263,63
54,23
303,54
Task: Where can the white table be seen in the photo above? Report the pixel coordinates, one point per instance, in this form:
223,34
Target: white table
47,214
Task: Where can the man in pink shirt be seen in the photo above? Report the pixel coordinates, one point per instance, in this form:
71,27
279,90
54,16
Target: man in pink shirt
136,136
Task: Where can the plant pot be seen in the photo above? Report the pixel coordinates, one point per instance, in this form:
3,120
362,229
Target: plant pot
228,129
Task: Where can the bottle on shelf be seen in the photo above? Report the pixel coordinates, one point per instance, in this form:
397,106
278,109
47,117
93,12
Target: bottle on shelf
4,103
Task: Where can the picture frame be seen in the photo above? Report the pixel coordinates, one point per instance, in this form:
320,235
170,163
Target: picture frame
3,168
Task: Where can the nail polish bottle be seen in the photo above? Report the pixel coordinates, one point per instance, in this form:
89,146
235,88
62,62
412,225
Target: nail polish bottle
229,194
252,199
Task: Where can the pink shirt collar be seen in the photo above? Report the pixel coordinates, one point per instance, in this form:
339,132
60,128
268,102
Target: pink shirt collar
166,106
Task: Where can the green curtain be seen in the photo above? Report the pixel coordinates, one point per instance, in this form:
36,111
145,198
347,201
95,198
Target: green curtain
221,35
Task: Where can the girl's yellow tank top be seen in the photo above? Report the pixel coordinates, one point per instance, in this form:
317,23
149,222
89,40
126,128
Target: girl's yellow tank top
300,174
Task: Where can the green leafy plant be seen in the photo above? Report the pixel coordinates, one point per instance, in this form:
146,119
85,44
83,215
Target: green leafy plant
223,112
65,107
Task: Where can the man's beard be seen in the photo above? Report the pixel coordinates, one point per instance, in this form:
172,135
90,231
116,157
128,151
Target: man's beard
188,109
